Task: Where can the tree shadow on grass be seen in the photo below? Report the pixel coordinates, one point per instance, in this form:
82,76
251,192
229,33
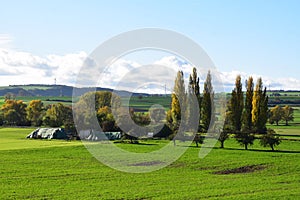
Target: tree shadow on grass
240,149
146,144
259,150
135,143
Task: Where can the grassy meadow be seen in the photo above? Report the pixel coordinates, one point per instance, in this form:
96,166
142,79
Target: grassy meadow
53,169
59,169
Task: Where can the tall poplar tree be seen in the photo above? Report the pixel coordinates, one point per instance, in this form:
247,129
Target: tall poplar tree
207,107
237,105
178,102
246,137
247,114
194,91
260,107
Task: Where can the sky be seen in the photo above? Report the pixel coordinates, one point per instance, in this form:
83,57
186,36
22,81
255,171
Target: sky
45,40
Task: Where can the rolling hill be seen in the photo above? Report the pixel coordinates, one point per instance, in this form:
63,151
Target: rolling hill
55,90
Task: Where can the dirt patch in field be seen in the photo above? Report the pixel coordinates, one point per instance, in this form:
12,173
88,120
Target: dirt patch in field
242,170
147,163
177,165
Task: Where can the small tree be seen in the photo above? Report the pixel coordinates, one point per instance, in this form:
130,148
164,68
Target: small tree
276,115
224,135
227,126
245,138
270,139
288,114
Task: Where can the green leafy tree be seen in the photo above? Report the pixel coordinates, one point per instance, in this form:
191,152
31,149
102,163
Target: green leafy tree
89,104
35,112
106,119
103,98
126,124
207,107
224,134
56,115
157,114
247,114
288,114
68,122
245,138
194,98
270,139
276,115
236,105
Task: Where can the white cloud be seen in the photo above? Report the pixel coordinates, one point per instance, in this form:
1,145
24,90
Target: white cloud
25,68
284,83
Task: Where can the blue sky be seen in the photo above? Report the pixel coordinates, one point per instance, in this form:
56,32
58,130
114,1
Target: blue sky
254,37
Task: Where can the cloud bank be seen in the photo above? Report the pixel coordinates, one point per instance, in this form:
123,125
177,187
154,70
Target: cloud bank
18,67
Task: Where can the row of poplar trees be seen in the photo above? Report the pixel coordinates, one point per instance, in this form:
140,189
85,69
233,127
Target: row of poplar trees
246,115
244,118
183,111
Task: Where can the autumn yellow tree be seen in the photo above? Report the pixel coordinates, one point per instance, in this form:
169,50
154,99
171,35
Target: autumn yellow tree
276,114
35,111
260,107
14,112
288,114
178,100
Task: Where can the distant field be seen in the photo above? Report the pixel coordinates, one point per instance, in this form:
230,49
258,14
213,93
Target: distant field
143,104
34,169
46,100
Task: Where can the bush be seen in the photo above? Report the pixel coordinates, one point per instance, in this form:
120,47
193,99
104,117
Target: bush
270,139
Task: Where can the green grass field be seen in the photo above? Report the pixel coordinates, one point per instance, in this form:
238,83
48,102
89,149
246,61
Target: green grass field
35,169
46,100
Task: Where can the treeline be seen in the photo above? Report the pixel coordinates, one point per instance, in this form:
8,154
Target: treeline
245,117
17,113
99,104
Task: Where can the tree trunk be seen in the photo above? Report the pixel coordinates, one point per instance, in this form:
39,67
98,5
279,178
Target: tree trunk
272,147
246,146
276,123
222,144
286,122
